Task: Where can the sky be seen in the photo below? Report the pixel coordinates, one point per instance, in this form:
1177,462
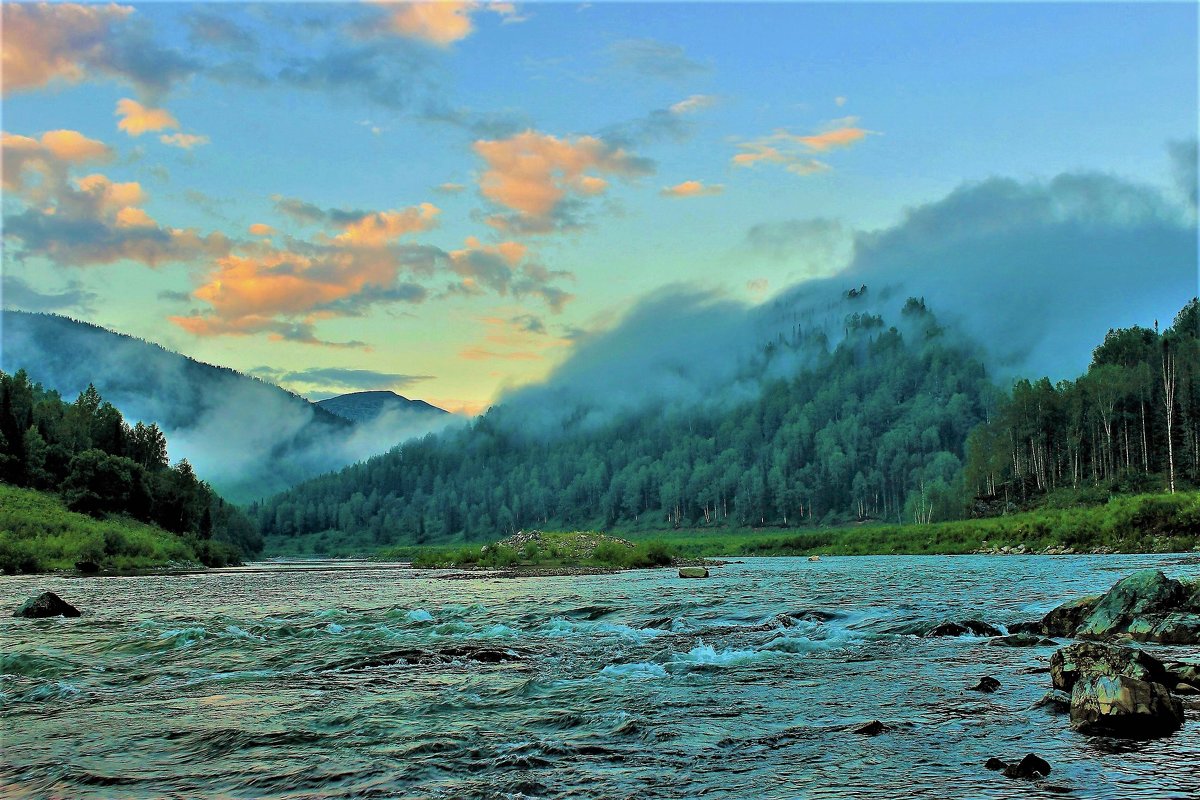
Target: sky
444,199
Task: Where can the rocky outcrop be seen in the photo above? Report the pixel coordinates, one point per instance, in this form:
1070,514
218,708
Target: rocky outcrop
1022,640
1116,691
1146,606
693,572
1117,705
46,604
1094,658
968,627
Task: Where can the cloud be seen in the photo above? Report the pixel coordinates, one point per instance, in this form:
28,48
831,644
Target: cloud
758,285
91,219
19,293
438,23
794,151
839,101
70,43
261,229
816,246
342,379
451,188
381,227
1183,168
535,175
654,59
217,31
136,119
381,72
692,189
184,141
694,103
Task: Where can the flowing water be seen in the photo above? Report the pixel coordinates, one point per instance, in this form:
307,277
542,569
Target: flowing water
378,681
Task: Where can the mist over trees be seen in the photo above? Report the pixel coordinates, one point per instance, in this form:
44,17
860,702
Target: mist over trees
870,428
1132,421
100,465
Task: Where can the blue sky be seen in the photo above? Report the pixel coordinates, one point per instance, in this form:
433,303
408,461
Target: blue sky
455,192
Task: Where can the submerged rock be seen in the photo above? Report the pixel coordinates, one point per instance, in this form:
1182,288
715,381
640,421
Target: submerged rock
1022,640
46,604
995,764
693,572
986,684
1031,767
968,627
1117,705
872,728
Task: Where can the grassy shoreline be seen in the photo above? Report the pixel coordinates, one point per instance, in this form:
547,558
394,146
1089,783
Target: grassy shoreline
1154,523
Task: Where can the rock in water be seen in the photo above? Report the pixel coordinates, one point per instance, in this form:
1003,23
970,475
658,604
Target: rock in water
968,627
1093,658
1064,620
995,764
1117,705
1056,700
693,572
1031,767
986,684
1140,594
814,558
872,728
46,604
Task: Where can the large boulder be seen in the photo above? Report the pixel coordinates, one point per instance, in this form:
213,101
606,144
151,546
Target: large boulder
1118,705
46,604
1084,659
1132,601
1066,619
693,572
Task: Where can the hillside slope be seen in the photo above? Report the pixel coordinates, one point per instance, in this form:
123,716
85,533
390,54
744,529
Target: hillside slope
249,438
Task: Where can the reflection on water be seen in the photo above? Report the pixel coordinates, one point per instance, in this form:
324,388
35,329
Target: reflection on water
383,682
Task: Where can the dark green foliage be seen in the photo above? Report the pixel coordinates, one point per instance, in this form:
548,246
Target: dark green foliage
100,466
873,429
1110,428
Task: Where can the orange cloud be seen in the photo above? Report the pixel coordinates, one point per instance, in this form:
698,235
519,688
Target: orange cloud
692,189
184,141
441,22
382,227
48,41
533,173
838,137
794,151
136,119
261,229
49,158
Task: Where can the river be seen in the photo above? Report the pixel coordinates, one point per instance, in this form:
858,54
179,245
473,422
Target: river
359,680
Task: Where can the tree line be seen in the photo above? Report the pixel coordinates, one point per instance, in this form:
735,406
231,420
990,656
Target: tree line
1131,422
874,428
98,464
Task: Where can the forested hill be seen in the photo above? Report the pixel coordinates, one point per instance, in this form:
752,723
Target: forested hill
873,427
99,465
248,437
1131,423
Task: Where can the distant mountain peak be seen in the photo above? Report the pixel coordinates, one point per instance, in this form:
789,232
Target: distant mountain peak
369,405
